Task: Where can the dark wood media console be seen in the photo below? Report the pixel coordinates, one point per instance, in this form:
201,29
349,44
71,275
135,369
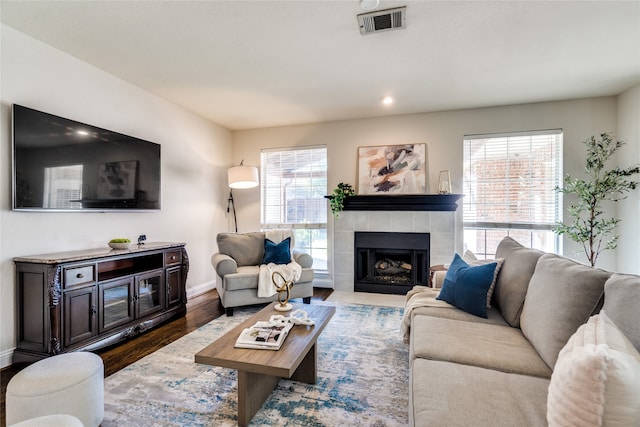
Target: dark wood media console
91,299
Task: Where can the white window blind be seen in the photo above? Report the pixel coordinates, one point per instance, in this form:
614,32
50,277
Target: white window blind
509,184
294,183
293,186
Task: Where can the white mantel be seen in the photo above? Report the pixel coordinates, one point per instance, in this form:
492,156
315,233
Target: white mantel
442,225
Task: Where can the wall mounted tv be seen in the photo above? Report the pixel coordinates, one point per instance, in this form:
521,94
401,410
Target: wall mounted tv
63,165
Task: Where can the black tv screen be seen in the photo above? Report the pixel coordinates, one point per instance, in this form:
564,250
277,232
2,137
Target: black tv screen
64,165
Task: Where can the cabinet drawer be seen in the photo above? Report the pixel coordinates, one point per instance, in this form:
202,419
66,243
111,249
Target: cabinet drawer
76,276
172,257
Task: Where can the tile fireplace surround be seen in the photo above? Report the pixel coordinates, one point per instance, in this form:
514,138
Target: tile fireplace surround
442,225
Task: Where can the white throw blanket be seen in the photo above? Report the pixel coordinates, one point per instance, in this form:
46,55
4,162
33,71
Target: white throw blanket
419,296
266,288
291,271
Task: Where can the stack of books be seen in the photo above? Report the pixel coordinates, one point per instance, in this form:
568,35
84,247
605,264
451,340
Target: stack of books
264,336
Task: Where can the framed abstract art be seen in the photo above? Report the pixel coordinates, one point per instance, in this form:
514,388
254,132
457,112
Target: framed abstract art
392,169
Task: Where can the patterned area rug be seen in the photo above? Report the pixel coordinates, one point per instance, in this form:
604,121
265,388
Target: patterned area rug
363,377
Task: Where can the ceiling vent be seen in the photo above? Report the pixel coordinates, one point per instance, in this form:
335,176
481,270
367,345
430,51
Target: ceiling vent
382,20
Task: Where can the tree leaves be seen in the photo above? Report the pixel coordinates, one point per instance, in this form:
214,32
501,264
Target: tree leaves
589,226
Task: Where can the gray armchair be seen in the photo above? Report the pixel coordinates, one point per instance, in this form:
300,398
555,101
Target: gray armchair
237,266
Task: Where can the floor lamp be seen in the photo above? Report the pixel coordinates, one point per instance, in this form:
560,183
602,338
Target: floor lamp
240,177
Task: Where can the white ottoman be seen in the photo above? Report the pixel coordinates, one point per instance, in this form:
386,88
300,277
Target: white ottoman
51,421
70,383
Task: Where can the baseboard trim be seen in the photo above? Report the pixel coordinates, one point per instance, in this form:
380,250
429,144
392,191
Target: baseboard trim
194,291
6,357
323,283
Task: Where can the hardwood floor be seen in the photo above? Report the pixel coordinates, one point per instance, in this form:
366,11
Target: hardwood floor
200,311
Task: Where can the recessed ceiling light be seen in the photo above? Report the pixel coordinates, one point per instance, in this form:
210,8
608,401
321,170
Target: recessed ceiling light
82,132
387,100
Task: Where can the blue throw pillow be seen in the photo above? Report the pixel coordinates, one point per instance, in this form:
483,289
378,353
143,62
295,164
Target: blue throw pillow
277,253
466,287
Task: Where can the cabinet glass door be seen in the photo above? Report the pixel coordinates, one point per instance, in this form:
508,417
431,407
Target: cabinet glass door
116,301
150,293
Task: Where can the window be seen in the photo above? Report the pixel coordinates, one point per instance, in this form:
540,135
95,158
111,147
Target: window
294,183
509,190
62,187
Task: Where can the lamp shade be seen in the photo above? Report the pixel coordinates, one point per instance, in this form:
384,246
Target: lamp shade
243,177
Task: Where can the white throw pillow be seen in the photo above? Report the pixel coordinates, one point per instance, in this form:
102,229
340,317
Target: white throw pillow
596,379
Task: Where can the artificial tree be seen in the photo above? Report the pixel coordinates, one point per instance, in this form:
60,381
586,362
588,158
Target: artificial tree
588,225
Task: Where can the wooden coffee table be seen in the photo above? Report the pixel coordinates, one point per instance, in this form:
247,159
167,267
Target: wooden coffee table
260,370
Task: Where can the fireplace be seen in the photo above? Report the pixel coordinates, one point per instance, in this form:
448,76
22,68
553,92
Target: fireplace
390,262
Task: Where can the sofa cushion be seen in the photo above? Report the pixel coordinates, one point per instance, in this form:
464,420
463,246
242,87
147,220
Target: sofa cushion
493,316
450,394
502,348
245,248
562,295
622,304
277,253
466,287
245,278
596,381
513,280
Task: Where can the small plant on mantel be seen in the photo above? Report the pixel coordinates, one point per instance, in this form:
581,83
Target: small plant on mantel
587,225
336,199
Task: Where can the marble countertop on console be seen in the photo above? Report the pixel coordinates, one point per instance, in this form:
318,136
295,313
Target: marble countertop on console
72,256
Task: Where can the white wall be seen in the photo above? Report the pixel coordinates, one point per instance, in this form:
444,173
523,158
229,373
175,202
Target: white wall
629,209
195,156
443,132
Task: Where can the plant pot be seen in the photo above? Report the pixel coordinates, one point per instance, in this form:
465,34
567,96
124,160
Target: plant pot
119,245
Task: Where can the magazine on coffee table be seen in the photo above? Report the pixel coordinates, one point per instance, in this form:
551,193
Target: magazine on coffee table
264,336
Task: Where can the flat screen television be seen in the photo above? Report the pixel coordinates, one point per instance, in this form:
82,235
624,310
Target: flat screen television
63,165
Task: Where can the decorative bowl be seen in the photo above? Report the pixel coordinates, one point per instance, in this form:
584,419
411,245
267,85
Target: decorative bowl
119,245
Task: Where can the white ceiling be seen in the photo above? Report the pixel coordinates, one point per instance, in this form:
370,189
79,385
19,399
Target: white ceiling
249,64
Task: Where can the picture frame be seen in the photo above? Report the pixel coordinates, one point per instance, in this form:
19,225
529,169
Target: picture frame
392,169
117,180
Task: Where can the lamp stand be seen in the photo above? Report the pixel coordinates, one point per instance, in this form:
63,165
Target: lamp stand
232,206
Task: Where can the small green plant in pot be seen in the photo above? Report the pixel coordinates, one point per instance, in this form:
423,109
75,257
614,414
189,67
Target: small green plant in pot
119,243
341,192
587,225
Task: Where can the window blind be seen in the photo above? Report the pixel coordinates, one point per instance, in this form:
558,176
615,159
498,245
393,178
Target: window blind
294,183
510,179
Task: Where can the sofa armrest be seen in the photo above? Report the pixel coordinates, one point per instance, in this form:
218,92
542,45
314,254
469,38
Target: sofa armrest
223,264
304,259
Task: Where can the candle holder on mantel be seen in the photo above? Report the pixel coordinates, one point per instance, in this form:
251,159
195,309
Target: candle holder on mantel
444,182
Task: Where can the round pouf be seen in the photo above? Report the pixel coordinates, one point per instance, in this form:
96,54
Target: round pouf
51,421
71,383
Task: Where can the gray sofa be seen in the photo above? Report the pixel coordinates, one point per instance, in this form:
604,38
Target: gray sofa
498,371
237,266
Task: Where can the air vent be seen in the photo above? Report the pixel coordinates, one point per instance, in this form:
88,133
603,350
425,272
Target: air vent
382,20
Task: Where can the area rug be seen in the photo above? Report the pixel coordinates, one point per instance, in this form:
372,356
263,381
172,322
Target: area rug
363,379
367,298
